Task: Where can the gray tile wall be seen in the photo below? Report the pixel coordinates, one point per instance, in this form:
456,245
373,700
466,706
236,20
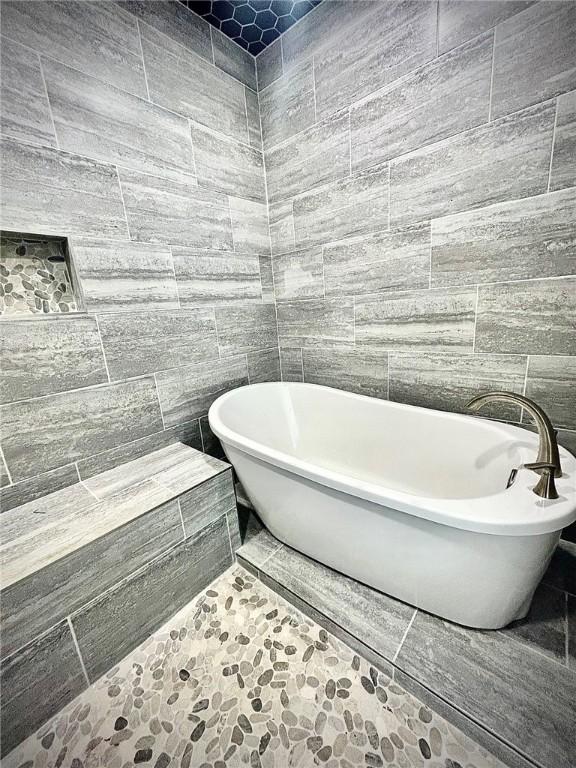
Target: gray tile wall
134,129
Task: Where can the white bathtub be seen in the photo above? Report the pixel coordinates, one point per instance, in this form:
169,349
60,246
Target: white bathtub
408,500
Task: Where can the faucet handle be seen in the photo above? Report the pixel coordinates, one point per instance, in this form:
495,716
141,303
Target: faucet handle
536,465
545,487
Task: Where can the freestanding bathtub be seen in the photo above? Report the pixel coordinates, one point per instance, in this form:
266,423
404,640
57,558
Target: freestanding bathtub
411,501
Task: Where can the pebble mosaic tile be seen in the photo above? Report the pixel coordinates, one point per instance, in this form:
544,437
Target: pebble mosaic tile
239,678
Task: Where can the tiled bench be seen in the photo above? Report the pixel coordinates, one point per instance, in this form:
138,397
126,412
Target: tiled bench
91,571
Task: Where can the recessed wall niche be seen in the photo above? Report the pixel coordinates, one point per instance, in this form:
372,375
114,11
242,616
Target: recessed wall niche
36,276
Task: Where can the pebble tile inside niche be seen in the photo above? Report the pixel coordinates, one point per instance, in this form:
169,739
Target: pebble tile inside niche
36,276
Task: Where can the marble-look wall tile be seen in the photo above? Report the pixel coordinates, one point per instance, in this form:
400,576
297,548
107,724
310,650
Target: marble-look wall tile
46,191
216,277
563,172
302,40
253,118
226,165
211,445
123,276
264,366
461,20
190,86
100,38
517,240
187,393
207,502
266,279
25,110
534,57
291,365
316,322
269,64
37,487
551,381
244,329
318,155
425,106
160,210
287,106
347,207
360,370
37,682
282,237
250,226
394,260
42,434
137,343
299,275
100,121
439,320
42,356
447,382
509,158
532,317
230,58
4,477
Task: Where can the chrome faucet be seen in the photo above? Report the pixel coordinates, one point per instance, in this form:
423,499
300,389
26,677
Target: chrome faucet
547,463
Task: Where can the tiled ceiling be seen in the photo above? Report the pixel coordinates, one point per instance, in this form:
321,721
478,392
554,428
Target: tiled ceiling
253,24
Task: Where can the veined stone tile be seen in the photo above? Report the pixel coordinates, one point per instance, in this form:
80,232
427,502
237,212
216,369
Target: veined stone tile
37,487
4,477
92,37
226,165
98,120
347,207
316,322
424,106
551,382
266,279
46,191
299,275
394,260
210,443
389,41
42,434
509,158
534,57
282,237
287,106
522,239
269,64
136,343
334,19
216,277
436,320
364,371
447,382
187,393
318,155
252,116
563,173
230,58
250,226
175,212
193,87
264,365
207,502
40,357
291,365
461,20
244,329
124,276
25,109
525,317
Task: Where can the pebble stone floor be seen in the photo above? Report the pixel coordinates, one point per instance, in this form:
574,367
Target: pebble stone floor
240,677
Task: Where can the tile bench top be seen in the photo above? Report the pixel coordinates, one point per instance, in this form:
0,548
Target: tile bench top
42,531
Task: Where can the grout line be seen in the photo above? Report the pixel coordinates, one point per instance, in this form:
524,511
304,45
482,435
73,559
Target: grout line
492,76
174,273
524,389
552,148
314,92
274,552
246,116
350,156
475,318
123,203
3,459
143,62
48,100
77,647
438,28
404,636
102,348
211,30
181,517
158,398
282,55
201,433
90,491
230,537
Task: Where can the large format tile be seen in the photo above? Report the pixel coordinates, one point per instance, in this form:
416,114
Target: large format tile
187,393
551,381
302,40
42,434
46,191
524,697
269,64
91,37
353,206
264,365
216,277
253,118
122,275
244,329
316,322
207,502
509,158
25,109
291,365
97,120
439,320
230,58
299,275
37,682
190,86
136,343
524,317
425,106
534,57
522,239
250,226
175,212
461,20
360,370
563,171
37,487
287,106
394,260
266,279
281,221
544,628
259,548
